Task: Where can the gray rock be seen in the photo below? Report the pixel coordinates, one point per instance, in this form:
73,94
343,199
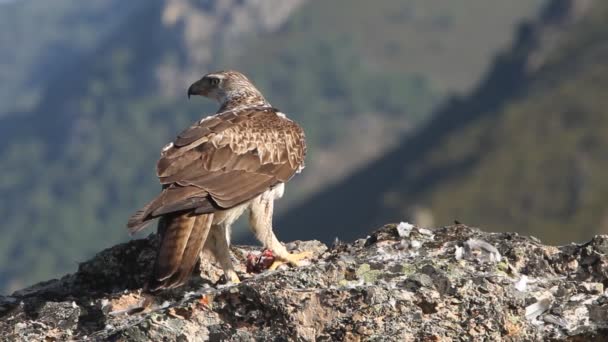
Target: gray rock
381,288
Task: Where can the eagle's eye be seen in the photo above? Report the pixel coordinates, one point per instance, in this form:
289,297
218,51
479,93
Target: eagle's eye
214,81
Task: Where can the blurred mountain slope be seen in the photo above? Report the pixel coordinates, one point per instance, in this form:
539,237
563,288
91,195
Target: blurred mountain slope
405,56
451,43
525,152
38,38
82,160
77,164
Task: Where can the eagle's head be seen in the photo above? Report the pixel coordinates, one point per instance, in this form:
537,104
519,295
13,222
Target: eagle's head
225,86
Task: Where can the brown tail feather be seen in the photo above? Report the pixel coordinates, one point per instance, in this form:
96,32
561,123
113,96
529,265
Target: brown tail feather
172,246
183,237
197,239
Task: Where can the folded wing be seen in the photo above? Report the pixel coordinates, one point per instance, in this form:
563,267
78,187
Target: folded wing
225,160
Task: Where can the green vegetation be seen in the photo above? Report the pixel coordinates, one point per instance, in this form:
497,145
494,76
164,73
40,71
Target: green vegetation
450,43
525,152
542,164
392,60
324,82
39,38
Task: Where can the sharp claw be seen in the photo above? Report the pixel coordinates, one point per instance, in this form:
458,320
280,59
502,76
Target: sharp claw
292,259
233,278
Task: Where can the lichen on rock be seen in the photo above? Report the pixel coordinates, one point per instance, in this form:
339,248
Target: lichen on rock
401,283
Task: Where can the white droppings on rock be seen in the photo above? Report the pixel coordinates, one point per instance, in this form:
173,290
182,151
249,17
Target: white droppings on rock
459,253
415,244
404,229
579,316
522,284
578,297
425,231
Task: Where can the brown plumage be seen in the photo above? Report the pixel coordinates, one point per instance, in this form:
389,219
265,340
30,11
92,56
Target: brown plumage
215,167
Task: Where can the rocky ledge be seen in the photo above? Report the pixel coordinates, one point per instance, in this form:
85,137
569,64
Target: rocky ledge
402,283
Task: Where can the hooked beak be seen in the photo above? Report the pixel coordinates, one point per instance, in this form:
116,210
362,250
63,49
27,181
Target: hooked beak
191,90
196,88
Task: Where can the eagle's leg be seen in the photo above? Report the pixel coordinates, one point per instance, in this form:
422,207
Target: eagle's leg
260,220
219,245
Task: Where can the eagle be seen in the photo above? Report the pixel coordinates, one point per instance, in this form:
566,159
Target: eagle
223,165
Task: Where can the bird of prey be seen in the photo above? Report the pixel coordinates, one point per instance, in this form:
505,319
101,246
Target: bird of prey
225,164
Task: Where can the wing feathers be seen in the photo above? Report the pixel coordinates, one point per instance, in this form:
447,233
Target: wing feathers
225,160
187,171
220,158
138,221
185,204
210,124
191,136
246,193
171,199
222,126
172,166
246,162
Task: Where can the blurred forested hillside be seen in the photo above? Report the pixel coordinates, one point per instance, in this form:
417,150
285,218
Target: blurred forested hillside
91,90
526,152
40,38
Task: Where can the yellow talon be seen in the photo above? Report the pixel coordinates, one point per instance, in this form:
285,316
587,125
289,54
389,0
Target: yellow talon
233,278
292,258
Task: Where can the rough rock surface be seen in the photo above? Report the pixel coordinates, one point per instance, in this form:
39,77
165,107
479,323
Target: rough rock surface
402,283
